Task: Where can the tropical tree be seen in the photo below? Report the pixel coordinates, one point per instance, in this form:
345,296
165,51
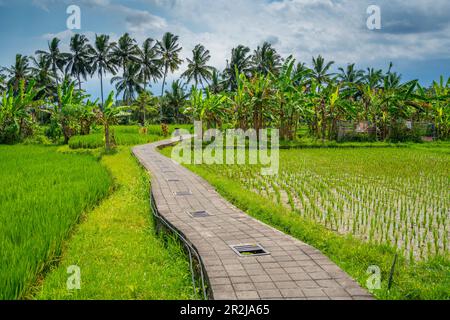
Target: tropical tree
198,68
150,62
15,117
3,82
174,102
80,59
108,116
87,116
440,101
169,51
42,74
18,72
145,104
125,52
208,107
57,59
320,71
129,84
373,77
290,97
103,59
350,75
66,113
217,84
266,60
240,63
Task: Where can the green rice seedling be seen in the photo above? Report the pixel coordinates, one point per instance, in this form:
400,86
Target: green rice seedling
394,196
43,194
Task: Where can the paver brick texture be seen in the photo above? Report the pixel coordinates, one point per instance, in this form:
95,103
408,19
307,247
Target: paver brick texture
292,270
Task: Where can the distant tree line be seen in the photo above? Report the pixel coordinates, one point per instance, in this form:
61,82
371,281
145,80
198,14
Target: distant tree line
255,90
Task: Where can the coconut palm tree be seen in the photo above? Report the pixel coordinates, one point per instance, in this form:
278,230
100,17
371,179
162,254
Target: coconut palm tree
129,83
350,75
216,85
102,58
150,62
57,58
80,58
3,82
18,72
169,49
320,70
240,63
174,102
198,68
266,60
126,52
42,74
145,104
373,77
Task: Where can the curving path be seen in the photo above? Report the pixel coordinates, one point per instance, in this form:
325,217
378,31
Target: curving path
290,269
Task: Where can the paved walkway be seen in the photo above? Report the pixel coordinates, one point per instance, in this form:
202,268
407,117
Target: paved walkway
291,270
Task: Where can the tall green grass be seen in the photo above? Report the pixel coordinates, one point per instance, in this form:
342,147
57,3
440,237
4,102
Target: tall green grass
96,140
42,196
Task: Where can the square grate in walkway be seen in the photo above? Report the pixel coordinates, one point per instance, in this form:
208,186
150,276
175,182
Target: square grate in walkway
199,214
250,250
182,193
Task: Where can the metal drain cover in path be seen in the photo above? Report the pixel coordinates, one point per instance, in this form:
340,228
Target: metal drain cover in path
183,193
250,250
173,180
199,214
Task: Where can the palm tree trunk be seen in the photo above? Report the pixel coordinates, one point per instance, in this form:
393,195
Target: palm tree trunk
55,74
101,86
79,81
162,91
164,81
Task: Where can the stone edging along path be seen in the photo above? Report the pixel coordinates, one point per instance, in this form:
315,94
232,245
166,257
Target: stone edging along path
280,268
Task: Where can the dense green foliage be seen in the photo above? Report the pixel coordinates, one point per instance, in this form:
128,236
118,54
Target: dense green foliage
255,90
42,196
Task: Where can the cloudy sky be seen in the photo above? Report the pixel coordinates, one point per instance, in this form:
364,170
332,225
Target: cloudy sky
415,34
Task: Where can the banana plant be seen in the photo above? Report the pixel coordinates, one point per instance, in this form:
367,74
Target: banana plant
15,112
291,97
108,116
214,109
69,110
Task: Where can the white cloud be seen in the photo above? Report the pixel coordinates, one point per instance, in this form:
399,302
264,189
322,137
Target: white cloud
333,28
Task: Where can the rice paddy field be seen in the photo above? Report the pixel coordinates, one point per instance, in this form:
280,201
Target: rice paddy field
394,196
43,194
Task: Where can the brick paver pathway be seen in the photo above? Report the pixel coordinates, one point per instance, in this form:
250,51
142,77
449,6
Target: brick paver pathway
292,270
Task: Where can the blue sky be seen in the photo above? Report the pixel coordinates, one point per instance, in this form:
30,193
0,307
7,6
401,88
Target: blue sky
415,34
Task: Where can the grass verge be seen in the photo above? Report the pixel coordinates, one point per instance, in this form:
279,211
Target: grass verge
117,250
